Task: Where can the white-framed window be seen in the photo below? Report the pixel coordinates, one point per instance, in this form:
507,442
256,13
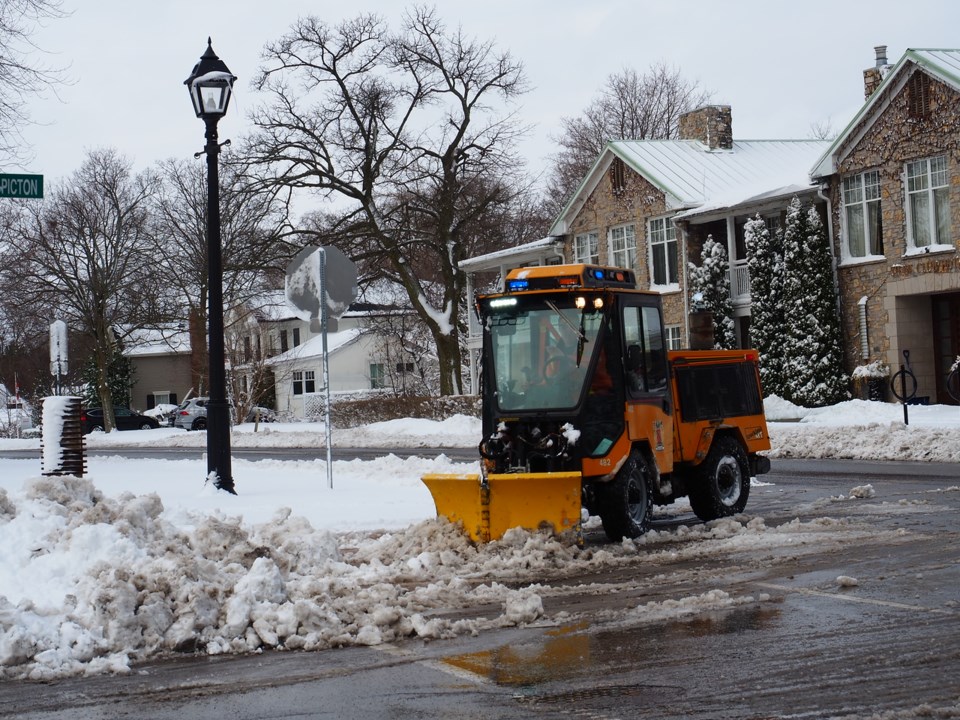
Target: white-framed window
861,215
586,248
663,253
378,376
928,202
304,381
772,223
674,337
158,397
623,246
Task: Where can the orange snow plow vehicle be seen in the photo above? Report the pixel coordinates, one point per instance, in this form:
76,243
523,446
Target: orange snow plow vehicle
584,407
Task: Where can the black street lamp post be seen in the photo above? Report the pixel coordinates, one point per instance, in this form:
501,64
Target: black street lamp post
210,85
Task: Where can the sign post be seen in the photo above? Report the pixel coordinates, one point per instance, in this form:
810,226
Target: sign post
321,283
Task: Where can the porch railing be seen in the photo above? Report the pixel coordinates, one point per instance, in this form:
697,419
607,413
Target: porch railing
740,282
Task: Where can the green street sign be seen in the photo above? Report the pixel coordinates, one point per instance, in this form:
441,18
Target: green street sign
21,186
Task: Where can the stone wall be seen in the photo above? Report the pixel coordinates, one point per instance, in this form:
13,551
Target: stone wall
634,202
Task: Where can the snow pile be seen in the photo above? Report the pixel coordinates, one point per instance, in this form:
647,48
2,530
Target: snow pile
864,430
94,583
141,558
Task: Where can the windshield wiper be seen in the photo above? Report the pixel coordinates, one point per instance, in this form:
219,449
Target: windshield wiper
581,334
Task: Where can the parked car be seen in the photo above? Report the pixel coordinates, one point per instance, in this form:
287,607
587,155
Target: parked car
91,420
192,414
266,415
163,412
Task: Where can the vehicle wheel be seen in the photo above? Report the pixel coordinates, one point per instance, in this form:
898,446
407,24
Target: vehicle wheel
200,424
625,504
146,426
96,428
722,484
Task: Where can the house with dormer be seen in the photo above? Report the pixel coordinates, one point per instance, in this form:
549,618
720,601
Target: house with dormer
276,359
277,353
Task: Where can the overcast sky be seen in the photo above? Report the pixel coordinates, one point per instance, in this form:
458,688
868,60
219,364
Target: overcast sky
781,66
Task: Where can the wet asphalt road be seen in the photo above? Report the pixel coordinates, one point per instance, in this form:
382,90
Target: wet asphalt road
798,643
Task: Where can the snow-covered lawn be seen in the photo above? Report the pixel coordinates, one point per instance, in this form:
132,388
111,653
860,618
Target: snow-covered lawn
141,556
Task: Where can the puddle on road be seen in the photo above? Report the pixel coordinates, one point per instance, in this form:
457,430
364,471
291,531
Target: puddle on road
573,651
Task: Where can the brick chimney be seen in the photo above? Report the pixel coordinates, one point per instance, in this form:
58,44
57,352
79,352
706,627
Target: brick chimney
872,77
711,124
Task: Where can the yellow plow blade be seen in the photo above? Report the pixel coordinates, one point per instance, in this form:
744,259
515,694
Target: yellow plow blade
528,500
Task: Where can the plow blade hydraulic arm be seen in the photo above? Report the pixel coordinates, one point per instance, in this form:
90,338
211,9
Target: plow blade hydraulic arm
528,500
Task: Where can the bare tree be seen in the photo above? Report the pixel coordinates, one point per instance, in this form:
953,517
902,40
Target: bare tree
251,379
630,106
20,74
822,130
85,255
405,128
253,245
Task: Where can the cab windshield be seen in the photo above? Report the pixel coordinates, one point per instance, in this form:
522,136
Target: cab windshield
540,350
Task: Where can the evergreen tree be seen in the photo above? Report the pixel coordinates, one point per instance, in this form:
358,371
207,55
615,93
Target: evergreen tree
767,326
120,375
711,281
814,374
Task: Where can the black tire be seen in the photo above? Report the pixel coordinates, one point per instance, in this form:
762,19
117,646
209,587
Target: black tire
146,426
200,424
722,483
96,429
625,504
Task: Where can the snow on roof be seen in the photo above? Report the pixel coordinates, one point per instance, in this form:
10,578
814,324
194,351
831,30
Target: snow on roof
745,196
272,306
696,176
943,64
314,346
170,340
534,248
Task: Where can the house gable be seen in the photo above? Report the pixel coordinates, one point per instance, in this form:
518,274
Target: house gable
942,66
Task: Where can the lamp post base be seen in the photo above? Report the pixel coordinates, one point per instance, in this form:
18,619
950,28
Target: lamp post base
218,445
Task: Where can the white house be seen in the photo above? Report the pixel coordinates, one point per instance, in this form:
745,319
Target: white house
275,346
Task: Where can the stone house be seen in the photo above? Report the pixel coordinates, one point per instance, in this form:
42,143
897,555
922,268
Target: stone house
894,195
888,189
649,205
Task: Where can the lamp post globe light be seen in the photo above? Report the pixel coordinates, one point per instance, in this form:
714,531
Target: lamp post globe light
210,85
